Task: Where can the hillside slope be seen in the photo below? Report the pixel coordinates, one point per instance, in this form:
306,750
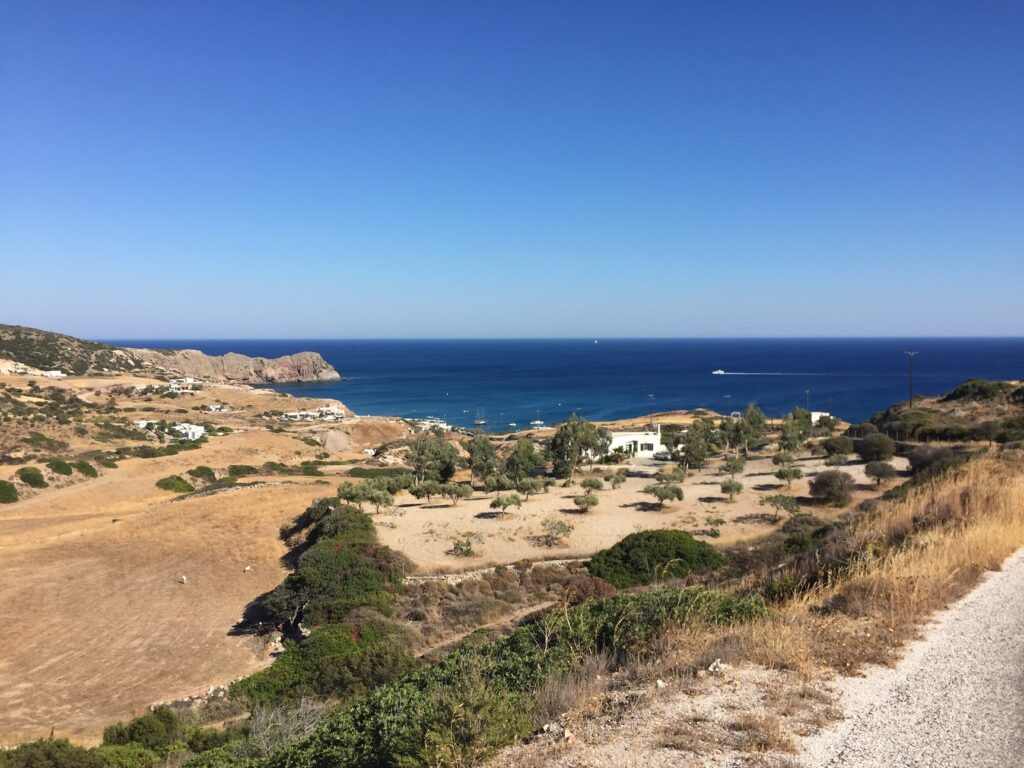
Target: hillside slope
47,350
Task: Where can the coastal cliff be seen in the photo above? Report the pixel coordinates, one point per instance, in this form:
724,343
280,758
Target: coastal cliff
242,369
45,350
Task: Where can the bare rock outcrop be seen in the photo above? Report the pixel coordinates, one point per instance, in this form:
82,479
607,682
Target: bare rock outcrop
242,369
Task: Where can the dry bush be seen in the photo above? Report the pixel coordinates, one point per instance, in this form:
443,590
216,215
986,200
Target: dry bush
761,733
572,691
271,727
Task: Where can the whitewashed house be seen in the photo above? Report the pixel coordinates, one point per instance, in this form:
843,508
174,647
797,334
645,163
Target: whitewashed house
184,384
644,443
58,374
189,431
817,416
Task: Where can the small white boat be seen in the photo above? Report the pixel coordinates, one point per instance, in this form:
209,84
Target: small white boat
537,423
512,424
718,372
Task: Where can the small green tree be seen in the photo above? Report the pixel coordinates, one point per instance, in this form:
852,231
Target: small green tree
833,487
352,493
428,489
555,532
379,496
880,471
529,486
575,441
586,502
734,465
665,492
617,479
592,484
732,487
504,502
522,461
482,458
876,447
789,474
836,460
781,503
433,458
455,491
493,483
782,459
838,444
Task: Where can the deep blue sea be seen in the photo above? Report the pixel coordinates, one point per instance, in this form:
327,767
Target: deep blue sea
519,380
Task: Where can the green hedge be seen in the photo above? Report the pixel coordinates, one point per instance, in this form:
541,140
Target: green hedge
85,468
648,556
8,492
203,473
32,477
174,483
337,661
59,466
242,470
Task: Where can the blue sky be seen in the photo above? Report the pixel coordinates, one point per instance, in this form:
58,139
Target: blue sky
215,169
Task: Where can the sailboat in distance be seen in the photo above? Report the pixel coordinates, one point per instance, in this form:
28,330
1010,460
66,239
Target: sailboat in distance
537,423
480,421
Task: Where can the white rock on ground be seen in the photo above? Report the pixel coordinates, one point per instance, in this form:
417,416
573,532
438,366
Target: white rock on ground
955,699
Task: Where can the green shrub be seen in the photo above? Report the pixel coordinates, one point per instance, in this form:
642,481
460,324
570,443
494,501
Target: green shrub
838,444
85,468
242,470
174,483
876,447
50,753
337,661
370,472
8,492
127,756
833,487
647,556
203,472
59,467
106,462
32,477
480,697
158,728
977,389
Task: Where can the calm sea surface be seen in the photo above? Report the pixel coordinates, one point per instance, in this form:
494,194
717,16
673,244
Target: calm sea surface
520,380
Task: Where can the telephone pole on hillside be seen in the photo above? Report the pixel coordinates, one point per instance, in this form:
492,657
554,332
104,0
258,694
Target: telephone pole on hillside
910,375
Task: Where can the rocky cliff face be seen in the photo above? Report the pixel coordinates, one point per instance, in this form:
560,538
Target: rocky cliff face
232,367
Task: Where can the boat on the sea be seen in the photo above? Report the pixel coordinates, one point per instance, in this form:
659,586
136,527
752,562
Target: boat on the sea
480,421
718,372
512,424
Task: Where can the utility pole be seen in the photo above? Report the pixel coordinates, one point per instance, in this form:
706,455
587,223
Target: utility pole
910,374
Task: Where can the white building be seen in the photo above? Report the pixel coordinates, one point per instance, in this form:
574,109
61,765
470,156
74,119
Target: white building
817,416
323,413
181,385
644,443
58,374
433,423
215,408
189,431
144,423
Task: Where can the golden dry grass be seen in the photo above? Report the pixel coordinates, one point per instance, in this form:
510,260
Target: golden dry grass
911,558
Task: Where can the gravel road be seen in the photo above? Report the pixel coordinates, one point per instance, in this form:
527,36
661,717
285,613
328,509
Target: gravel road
955,700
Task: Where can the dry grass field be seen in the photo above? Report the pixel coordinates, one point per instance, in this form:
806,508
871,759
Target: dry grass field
100,626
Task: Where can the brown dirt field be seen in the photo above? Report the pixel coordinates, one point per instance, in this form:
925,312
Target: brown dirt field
424,531
98,626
